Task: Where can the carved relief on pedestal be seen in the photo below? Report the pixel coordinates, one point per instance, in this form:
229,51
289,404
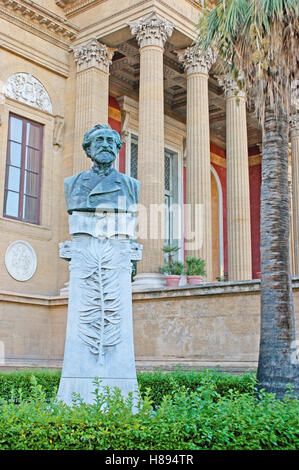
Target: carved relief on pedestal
27,89
99,320
93,54
151,30
194,60
20,260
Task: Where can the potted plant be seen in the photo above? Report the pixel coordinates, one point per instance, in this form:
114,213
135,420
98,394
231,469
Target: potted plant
169,250
195,270
172,272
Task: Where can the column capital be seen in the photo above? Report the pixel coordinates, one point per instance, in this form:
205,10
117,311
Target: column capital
230,86
151,30
194,61
93,54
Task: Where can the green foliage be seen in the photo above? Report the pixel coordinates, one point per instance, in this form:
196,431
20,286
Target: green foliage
11,382
160,383
218,411
169,250
195,266
175,267
258,38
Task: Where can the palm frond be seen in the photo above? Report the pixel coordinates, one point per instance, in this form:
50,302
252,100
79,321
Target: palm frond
259,37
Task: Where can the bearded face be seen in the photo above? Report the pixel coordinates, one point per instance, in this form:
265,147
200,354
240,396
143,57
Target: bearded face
103,148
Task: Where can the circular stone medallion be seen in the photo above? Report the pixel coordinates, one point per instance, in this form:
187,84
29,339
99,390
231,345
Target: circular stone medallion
20,260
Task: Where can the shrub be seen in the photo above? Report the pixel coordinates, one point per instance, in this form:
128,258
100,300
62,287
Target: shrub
200,419
11,382
160,383
175,268
195,267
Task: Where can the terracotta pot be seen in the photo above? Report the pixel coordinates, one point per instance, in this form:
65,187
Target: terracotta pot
194,280
172,280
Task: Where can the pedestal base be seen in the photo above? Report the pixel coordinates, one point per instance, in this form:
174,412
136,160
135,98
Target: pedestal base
148,281
85,387
99,336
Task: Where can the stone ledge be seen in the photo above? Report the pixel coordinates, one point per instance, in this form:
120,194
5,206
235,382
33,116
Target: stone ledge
33,299
209,288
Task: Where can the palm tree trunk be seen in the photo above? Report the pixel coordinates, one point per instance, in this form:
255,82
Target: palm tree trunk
278,363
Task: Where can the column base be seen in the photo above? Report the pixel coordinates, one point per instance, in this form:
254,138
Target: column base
148,281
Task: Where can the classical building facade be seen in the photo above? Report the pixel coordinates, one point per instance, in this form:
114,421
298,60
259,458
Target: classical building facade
188,137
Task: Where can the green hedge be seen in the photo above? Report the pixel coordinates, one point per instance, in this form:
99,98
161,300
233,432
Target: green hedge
160,383
200,419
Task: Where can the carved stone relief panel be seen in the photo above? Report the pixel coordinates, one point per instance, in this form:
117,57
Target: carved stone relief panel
27,89
20,260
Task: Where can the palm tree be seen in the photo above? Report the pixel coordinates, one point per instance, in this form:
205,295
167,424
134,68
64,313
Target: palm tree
258,40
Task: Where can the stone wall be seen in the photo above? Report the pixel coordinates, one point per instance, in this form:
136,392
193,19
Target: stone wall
213,325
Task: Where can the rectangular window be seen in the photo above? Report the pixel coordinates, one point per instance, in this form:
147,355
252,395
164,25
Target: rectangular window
23,170
133,156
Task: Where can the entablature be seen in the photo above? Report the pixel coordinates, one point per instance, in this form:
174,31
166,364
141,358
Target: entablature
39,20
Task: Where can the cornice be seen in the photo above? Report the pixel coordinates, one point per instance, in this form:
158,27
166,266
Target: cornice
11,44
74,7
132,13
39,21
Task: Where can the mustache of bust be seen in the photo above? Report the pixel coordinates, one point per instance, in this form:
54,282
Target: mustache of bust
100,151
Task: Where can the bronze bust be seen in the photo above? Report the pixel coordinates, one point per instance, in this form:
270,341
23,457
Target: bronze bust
102,188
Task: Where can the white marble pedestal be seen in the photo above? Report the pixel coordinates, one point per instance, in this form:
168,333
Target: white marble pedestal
99,336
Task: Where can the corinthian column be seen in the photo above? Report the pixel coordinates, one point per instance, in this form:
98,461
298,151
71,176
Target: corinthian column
198,184
294,131
237,180
93,60
151,33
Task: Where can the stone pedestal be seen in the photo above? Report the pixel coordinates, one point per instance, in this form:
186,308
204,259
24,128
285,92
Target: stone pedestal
99,336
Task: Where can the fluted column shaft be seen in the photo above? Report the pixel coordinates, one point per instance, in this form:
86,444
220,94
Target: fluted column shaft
151,33
92,94
198,185
294,128
237,183
151,150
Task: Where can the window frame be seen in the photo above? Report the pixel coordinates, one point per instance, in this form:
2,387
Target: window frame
21,192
